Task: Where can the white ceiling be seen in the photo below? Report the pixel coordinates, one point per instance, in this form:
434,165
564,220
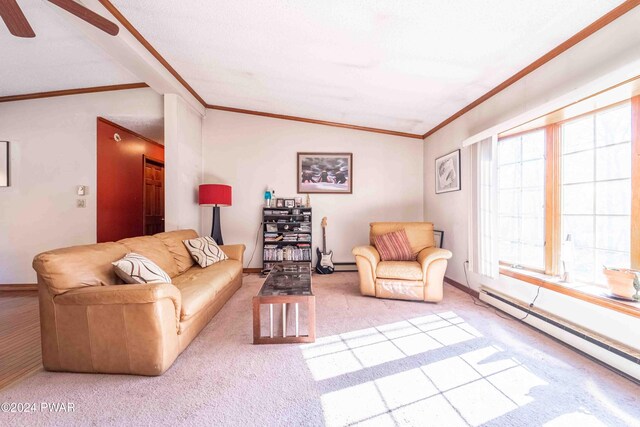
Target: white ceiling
59,57
398,65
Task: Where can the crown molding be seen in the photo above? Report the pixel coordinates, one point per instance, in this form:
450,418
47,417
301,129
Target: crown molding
314,121
144,42
600,23
66,92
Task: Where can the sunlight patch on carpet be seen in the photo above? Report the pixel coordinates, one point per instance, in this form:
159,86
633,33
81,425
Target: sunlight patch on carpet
352,351
470,388
575,419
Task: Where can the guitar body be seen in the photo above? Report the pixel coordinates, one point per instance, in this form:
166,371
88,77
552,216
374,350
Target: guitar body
324,264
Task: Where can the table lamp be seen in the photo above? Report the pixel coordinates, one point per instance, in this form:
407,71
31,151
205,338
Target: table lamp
215,195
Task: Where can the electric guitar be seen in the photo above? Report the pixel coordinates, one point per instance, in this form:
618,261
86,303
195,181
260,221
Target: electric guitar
324,264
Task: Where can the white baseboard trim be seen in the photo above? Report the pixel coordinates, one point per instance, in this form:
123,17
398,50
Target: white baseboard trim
625,363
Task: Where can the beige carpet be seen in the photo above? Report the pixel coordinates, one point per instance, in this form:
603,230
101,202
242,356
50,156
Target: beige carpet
379,362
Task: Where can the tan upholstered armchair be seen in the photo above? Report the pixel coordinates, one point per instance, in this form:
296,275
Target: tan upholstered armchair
411,280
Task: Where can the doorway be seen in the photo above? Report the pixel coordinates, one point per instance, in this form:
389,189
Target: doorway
130,183
153,197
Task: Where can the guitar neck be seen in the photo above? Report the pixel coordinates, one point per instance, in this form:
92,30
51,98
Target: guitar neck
324,240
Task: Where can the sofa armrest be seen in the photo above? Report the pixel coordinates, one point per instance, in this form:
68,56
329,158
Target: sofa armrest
115,329
123,294
370,253
234,251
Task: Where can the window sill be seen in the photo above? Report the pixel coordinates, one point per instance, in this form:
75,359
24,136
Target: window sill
591,294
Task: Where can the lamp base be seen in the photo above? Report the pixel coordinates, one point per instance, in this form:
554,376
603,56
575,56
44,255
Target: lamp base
216,231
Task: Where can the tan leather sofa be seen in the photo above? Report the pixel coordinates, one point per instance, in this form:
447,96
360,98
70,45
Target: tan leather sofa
90,323
409,280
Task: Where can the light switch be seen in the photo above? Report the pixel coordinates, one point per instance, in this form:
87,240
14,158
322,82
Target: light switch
82,190
81,203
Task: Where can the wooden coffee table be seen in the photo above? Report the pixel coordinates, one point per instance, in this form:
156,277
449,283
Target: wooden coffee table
286,284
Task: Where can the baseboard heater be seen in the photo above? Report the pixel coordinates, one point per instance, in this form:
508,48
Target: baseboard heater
625,361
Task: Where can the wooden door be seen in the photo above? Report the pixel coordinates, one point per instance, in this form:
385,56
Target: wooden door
153,197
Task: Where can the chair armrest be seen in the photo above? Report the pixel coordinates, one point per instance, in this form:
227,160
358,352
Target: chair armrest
123,294
234,251
367,259
370,253
428,255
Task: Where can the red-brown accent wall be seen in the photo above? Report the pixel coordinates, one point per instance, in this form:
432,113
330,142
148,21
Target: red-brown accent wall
120,181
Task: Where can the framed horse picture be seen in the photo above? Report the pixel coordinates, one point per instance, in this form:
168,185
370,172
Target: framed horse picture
325,173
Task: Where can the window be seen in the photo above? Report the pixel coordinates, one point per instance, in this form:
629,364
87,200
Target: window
596,192
521,200
569,195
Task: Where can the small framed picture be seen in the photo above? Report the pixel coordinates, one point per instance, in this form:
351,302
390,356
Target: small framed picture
272,228
279,203
298,202
448,173
438,238
289,203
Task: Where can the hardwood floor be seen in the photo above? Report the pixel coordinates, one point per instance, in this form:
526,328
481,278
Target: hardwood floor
20,353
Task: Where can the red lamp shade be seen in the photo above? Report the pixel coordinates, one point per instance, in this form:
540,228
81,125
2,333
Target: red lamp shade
214,195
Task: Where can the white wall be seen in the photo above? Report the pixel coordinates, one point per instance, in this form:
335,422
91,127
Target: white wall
608,50
53,149
183,164
251,152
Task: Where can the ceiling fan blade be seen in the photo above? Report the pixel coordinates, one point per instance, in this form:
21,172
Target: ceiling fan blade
87,15
15,20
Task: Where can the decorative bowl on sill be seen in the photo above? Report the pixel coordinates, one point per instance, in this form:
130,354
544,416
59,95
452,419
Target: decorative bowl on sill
621,282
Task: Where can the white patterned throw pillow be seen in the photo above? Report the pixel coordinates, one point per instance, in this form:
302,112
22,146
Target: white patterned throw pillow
135,268
205,251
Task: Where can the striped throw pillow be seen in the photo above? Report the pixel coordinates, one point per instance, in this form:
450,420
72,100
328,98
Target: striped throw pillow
205,251
394,246
135,268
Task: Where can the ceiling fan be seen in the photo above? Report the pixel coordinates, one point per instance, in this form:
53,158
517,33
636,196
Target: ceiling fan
18,25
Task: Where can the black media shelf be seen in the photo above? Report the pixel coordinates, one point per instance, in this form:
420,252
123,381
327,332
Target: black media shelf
298,222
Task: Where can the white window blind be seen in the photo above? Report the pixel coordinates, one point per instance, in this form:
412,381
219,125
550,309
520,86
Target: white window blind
483,247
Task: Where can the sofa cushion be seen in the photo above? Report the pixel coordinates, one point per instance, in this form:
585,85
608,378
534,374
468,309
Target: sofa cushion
173,241
134,268
404,270
153,248
199,286
205,251
78,266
